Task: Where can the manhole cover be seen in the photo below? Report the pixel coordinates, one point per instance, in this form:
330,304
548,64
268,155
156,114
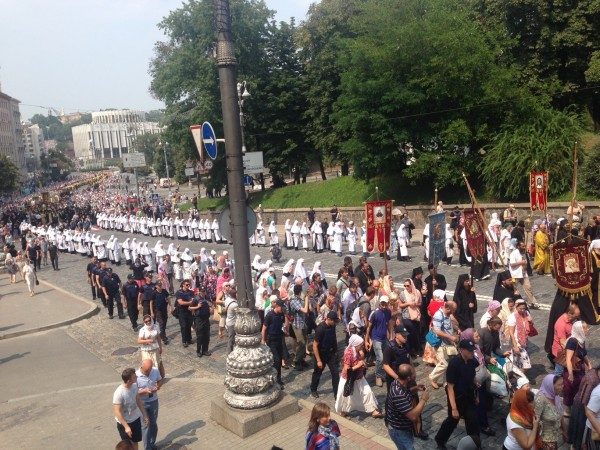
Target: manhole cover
125,351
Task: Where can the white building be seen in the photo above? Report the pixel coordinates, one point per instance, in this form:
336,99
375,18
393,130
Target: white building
11,135
110,134
33,137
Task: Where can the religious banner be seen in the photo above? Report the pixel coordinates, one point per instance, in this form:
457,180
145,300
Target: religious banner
538,190
475,231
437,238
572,265
379,224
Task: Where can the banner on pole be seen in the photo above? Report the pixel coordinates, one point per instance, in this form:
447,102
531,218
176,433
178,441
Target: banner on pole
437,238
475,231
379,225
572,265
538,190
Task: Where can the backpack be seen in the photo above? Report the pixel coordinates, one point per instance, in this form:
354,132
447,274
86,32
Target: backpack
352,306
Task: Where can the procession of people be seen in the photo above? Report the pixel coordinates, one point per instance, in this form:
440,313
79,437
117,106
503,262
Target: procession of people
362,319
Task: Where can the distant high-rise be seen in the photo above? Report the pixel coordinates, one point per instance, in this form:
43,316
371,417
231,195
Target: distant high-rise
33,138
110,134
11,133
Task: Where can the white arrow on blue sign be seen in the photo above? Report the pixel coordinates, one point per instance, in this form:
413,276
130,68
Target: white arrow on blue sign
248,180
209,140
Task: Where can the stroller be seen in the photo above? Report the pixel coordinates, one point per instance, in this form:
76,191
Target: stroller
276,252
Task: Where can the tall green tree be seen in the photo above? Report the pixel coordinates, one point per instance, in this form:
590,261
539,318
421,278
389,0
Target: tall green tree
320,40
554,44
184,72
275,112
422,83
11,177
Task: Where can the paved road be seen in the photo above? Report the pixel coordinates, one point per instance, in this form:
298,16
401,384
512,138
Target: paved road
56,394
117,343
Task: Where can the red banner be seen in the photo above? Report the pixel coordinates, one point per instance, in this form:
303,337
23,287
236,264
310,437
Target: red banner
572,265
379,225
475,231
538,190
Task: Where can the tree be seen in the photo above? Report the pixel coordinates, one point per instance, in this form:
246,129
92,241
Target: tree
589,176
275,111
553,42
320,39
543,138
56,166
422,83
146,144
11,176
184,72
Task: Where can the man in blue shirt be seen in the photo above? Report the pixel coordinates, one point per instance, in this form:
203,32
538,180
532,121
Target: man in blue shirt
272,335
130,292
379,330
201,309
111,286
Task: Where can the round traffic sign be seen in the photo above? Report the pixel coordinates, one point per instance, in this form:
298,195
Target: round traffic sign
208,165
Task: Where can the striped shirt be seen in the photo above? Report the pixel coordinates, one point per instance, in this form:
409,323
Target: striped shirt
399,401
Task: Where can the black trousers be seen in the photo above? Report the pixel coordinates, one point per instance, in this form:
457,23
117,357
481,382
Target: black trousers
101,295
38,261
329,359
94,295
110,301
202,325
161,316
133,312
276,346
185,324
414,340
468,413
54,261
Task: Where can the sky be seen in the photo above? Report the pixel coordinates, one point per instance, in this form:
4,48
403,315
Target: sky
86,55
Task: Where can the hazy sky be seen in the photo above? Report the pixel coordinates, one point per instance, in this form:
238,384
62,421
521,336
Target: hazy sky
87,54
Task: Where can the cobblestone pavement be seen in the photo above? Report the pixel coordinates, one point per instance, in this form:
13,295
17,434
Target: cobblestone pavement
116,345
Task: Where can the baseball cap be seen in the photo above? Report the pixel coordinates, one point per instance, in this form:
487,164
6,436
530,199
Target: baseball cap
400,329
467,345
384,299
277,302
332,315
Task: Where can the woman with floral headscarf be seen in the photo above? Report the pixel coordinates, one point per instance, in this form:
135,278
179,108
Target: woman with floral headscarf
522,425
493,310
548,409
361,398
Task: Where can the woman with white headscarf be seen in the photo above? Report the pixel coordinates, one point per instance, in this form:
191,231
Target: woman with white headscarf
288,234
288,269
295,230
215,230
109,248
361,398
304,233
352,234
126,252
317,269
201,230
273,236
300,271
159,251
261,239
187,259
177,267
449,245
117,251
207,232
402,237
147,255
317,234
256,268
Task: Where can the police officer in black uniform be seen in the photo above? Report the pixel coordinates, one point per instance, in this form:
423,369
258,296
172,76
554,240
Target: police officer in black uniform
184,298
131,292
272,335
91,276
202,309
147,294
160,302
111,286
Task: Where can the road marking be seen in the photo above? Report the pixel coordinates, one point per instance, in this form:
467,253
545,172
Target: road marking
61,391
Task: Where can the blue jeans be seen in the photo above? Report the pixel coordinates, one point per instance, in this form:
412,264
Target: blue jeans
402,438
378,349
149,433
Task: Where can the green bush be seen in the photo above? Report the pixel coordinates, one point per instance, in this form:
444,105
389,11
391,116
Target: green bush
589,174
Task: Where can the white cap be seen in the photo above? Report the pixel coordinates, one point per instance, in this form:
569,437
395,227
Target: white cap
522,382
212,252
439,293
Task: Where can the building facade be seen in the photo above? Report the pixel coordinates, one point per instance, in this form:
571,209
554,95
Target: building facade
33,138
11,132
111,134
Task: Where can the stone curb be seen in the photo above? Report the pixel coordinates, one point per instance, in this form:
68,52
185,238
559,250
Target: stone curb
358,429
94,309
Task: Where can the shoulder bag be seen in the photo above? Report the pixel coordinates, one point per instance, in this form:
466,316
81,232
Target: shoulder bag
349,386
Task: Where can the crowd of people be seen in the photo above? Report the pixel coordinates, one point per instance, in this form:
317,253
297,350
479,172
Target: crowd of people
387,326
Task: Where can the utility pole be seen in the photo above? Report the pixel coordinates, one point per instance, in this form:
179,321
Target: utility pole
233,152
250,381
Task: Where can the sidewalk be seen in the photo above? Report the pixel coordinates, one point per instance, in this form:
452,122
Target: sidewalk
51,307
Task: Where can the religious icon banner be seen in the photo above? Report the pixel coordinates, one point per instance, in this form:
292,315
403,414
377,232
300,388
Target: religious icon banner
474,229
379,225
538,190
437,238
572,265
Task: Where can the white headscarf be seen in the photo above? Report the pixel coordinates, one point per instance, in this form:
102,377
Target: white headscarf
317,269
186,255
288,266
355,340
295,227
578,332
300,271
272,228
594,244
256,262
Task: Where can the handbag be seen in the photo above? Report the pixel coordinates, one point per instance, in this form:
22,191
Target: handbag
433,339
532,330
349,386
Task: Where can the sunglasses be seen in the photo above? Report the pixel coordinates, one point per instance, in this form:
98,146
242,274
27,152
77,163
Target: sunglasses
407,285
